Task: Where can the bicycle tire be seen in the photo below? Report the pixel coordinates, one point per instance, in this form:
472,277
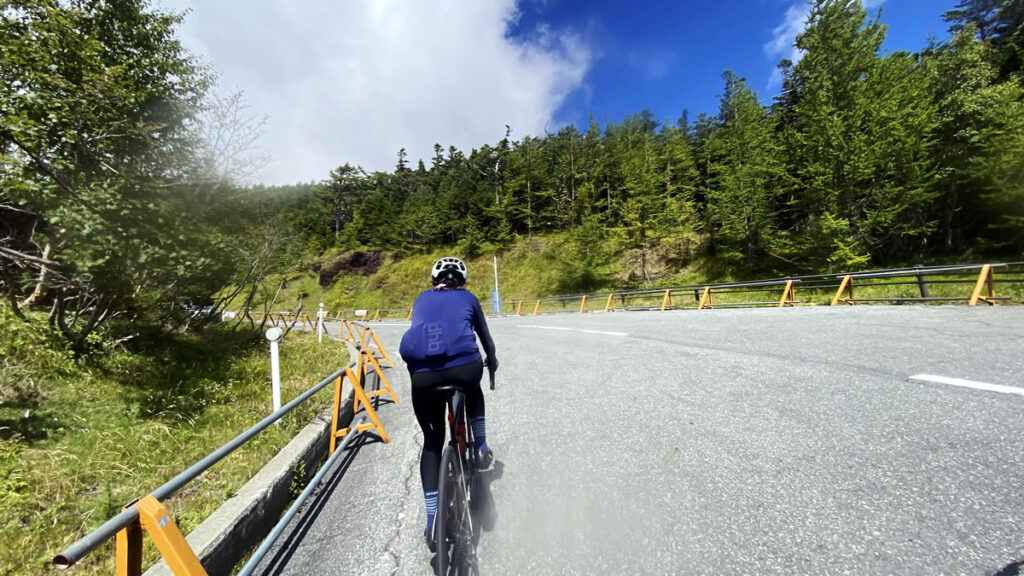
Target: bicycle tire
452,514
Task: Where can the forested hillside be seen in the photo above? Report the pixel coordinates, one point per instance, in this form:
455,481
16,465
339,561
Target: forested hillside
122,207
865,159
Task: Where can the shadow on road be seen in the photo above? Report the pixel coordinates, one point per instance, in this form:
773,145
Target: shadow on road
1014,569
276,561
485,513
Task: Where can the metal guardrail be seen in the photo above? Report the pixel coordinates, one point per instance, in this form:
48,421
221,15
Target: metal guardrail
918,278
111,527
703,294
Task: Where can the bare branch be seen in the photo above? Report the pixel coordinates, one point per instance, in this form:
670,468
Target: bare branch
21,256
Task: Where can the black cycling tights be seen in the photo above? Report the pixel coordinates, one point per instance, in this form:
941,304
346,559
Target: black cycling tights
431,411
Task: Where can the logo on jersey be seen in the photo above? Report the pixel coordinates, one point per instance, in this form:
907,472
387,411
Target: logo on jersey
435,338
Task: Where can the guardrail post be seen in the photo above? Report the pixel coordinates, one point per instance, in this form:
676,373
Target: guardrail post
376,316
846,284
921,284
788,296
666,302
360,397
383,352
984,279
705,299
583,304
610,306
519,307
128,549
536,309
335,415
164,532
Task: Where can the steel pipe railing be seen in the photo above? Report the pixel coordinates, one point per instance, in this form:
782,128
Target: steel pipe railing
76,551
278,529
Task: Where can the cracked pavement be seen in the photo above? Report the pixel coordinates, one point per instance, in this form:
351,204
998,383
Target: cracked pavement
708,442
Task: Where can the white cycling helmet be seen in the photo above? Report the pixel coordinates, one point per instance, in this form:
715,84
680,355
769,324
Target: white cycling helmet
449,263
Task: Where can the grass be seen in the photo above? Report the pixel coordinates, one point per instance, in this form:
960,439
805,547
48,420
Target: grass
544,266
530,267
90,435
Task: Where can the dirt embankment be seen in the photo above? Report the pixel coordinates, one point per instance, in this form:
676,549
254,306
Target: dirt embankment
361,263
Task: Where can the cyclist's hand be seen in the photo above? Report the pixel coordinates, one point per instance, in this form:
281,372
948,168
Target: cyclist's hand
492,364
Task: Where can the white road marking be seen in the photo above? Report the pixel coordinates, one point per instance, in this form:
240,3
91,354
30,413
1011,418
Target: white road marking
966,384
606,333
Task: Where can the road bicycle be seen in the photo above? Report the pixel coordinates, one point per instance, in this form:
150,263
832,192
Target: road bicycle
455,537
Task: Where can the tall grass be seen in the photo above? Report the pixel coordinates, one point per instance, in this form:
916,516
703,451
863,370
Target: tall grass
106,429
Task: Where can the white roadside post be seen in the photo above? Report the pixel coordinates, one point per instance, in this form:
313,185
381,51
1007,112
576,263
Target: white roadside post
320,324
274,335
496,301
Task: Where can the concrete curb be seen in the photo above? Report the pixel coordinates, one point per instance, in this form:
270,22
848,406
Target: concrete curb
246,518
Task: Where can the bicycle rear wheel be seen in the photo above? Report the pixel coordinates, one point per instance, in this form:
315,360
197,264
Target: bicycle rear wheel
455,554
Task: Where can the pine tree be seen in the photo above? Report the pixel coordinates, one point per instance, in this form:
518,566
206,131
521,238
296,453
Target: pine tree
828,140
979,132
742,183
979,13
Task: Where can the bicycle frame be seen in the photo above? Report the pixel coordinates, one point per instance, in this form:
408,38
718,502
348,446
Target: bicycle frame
463,549
457,429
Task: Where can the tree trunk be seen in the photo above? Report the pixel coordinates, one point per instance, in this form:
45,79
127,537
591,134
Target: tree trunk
44,278
529,209
337,218
572,189
643,254
12,295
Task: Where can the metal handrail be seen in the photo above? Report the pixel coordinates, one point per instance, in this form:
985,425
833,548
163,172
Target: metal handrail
278,529
108,529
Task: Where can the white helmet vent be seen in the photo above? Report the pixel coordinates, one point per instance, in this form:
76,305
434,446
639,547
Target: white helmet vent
446,263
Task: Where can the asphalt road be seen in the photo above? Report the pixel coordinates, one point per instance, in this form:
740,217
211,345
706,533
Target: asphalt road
772,441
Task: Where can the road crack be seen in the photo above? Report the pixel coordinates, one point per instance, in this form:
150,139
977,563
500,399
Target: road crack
400,519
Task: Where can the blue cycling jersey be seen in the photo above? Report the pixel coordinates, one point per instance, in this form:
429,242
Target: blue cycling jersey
441,335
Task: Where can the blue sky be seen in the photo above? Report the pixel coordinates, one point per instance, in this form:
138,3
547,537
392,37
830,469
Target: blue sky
669,55
355,81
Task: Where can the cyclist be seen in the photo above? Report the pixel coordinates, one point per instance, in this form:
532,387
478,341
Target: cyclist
440,348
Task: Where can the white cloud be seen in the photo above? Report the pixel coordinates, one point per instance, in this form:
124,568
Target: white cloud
782,44
655,64
356,81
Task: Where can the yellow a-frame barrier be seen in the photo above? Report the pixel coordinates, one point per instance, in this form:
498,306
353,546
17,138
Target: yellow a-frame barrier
705,299
156,521
583,304
846,284
377,349
360,399
666,301
788,295
610,305
985,280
